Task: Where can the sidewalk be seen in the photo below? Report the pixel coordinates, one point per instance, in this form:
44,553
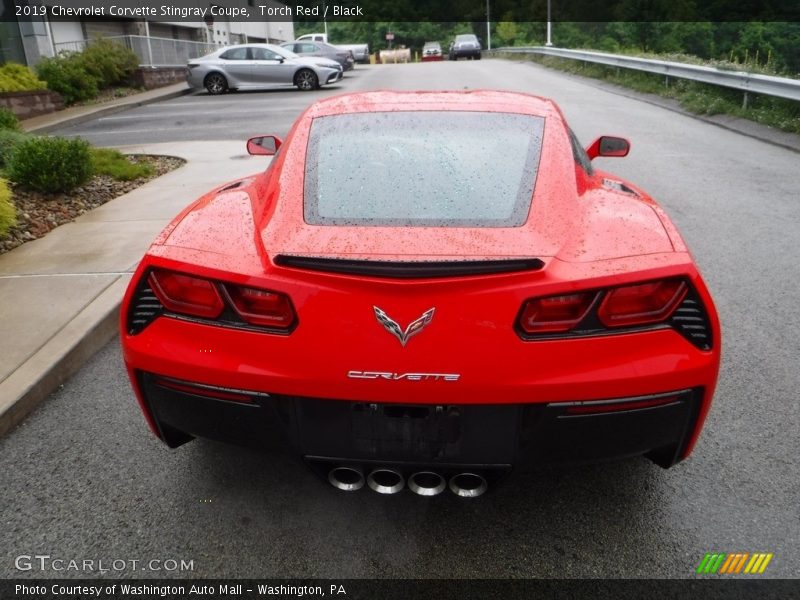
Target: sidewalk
60,294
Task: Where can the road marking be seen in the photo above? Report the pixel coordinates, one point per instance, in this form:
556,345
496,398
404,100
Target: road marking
124,131
193,114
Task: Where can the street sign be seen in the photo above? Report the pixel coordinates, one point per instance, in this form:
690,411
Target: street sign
389,36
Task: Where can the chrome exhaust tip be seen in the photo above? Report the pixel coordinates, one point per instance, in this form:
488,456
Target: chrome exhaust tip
426,483
385,481
348,479
468,485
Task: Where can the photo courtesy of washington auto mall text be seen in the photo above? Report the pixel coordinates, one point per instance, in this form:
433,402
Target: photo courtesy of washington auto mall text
163,589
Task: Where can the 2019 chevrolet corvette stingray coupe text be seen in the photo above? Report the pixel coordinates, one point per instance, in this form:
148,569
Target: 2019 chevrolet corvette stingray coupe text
471,298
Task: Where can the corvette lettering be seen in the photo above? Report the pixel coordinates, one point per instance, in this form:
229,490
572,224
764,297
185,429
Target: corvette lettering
401,376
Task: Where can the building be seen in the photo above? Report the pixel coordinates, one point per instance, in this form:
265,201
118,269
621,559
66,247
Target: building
158,43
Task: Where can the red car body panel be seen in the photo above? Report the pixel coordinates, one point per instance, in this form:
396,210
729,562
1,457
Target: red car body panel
591,232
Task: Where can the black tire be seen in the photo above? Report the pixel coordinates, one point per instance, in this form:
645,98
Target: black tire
215,83
478,57
306,80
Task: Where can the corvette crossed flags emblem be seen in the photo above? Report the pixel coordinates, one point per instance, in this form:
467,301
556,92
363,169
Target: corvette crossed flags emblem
394,328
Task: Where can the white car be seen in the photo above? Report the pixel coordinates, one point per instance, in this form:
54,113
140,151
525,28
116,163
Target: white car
248,66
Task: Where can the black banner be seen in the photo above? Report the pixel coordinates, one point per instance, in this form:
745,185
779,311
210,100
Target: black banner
713,588
404,10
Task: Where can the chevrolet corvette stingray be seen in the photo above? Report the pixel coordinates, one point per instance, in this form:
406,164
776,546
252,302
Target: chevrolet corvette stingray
426,290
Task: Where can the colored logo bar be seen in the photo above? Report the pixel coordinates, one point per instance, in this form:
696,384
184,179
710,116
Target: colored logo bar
734,564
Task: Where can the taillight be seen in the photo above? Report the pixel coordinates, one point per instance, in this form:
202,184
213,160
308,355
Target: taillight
641,304
555,313
186,294
261,307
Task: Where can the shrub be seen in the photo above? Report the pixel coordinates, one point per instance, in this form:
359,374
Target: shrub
108,62
8,213
8,120
115,164
19,78
9,140
67,75
51,164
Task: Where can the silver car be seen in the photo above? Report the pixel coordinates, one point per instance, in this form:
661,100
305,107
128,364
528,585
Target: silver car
321,49
250,66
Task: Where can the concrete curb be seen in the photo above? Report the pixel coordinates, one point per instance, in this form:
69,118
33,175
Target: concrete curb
62,356
100,111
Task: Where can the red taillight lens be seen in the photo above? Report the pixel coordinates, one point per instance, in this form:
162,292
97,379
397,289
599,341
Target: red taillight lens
555,313
641,304
185,294
261,307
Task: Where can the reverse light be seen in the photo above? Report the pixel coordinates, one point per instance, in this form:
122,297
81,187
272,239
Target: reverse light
641,304
186,294
261,307
555,314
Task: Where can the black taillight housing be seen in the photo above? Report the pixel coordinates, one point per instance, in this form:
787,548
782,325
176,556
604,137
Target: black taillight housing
187,296
662,303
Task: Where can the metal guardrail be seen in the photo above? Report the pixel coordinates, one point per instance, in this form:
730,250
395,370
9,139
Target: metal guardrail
781,87
152,51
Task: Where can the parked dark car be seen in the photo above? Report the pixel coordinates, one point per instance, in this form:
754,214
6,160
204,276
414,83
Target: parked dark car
465,45
322,50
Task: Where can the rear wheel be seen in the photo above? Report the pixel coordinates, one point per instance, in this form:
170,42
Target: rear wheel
306,80
216,83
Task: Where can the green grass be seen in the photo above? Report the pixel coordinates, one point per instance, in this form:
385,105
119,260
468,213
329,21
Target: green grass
115,164
699,98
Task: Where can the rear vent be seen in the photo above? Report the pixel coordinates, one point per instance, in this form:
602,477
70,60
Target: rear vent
409,270
691,321
144,308
232,186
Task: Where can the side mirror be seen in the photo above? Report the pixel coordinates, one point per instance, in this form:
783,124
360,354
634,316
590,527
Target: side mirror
607,145
263,145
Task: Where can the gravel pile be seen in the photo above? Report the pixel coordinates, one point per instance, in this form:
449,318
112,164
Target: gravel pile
39,213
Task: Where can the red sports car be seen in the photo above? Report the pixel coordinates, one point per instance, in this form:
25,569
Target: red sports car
426,289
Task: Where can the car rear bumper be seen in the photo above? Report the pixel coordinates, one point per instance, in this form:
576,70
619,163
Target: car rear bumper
465,52
440,436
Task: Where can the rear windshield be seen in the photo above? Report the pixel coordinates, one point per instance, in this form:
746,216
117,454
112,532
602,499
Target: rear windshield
427,168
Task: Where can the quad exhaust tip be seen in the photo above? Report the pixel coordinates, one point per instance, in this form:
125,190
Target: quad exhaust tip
426,483
348,479
385,481
468,485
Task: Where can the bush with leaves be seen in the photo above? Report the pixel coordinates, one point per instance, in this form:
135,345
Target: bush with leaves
8,213
15,77
50,164
8,120
9,140
67,75
109,62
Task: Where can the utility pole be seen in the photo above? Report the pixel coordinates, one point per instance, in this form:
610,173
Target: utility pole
549,42
488,28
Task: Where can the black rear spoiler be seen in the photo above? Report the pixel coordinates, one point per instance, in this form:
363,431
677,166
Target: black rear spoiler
409,269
